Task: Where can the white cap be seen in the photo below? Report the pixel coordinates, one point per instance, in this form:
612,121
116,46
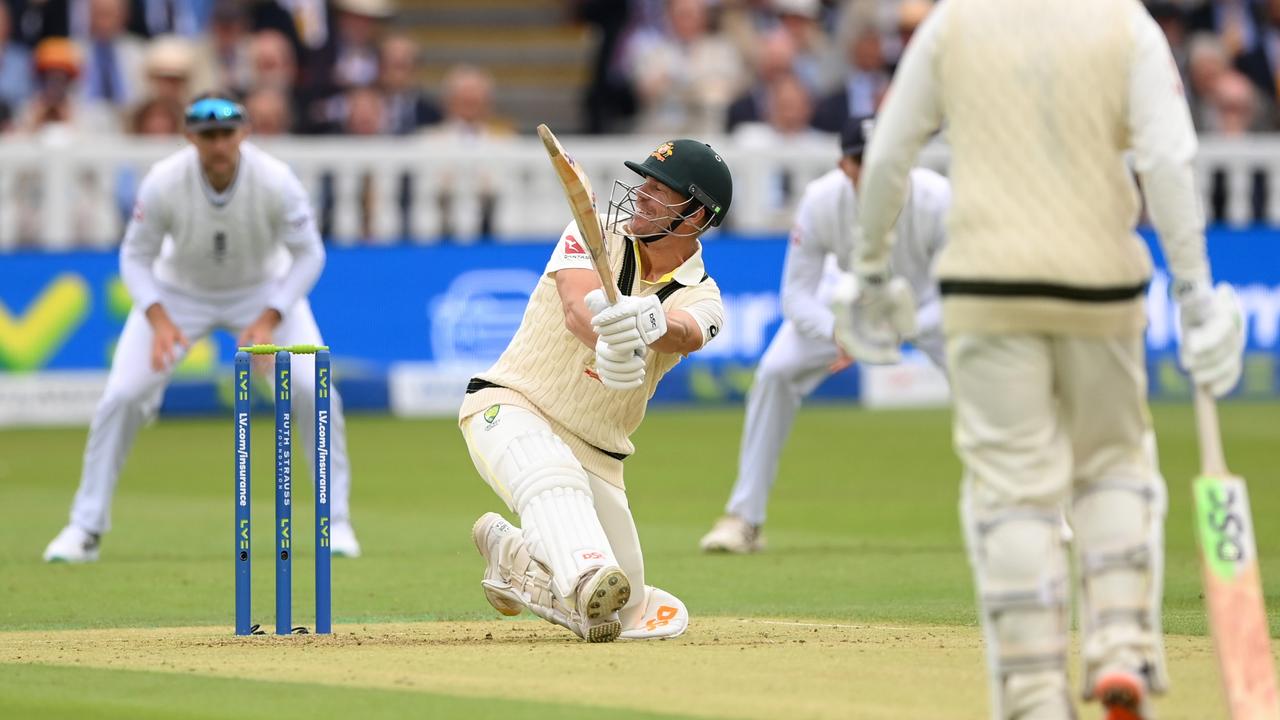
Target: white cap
804,8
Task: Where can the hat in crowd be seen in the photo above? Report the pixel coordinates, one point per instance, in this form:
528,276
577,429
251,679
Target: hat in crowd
855,134
57,54
804,8
380,9
170,56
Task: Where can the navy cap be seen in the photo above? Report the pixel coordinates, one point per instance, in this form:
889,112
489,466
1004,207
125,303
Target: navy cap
855,134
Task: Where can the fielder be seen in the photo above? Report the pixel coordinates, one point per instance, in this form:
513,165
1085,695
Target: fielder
804,352
1043,284
222,236
548,425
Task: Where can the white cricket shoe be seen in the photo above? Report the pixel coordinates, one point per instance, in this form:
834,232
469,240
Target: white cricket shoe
342,540
72,545
487,534
732,534
601,594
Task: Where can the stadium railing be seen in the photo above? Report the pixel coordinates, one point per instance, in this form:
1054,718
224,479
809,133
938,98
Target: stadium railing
59,193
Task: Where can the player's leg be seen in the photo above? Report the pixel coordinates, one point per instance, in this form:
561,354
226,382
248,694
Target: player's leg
131,398
299,327
539,478
791,368
1117,511
1017,472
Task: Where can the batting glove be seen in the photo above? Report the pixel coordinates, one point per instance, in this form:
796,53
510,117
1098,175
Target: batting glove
874,315
618,370
631,323
1212,346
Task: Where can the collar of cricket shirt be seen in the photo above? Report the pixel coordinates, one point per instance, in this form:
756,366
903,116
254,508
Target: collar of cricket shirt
690,272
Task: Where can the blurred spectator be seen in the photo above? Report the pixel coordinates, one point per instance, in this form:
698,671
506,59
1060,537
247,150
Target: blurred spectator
408,108
226,48
910,14
1262,63
357,24
113,60
57,67
169,66
1236,22
863,87
686,79
774,58
1233,111
151,18
7,125
1207,61
799,19
789,109
15,65
273,62
157,116
365,114
269,112
609,98
469,117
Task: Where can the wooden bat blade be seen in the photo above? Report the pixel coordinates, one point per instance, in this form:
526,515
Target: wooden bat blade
1233,593
582,203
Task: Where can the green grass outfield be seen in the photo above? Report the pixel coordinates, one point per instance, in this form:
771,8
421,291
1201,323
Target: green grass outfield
862,532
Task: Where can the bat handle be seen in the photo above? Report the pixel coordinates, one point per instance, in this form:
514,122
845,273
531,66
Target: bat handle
1212,459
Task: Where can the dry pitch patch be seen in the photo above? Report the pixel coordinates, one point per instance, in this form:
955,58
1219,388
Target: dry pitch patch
723,667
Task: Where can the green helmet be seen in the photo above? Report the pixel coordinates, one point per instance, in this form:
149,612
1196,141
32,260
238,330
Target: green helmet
694,169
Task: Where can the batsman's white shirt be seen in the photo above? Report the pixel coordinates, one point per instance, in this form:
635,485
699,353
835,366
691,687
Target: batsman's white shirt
213,261
799,356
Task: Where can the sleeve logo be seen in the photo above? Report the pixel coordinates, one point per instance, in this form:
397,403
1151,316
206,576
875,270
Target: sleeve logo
572,246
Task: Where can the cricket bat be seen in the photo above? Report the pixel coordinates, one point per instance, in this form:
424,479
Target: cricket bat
582,202
1232,583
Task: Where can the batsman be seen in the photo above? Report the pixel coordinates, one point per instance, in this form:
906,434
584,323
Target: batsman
548,425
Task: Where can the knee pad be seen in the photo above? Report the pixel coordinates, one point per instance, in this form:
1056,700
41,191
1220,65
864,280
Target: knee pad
1020,568
538,462
1119,528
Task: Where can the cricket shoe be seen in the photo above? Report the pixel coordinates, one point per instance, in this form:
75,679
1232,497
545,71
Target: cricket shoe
73,545
342,540
488,533
602,592
1123,695
732,534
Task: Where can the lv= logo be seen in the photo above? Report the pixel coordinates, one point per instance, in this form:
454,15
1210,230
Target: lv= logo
28,340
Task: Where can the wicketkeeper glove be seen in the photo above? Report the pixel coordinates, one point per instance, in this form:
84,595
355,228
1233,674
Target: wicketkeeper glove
618,370
874,315
629,324
1212,347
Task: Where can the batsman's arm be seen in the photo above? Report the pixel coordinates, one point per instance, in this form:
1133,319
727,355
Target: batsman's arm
683,336
573,284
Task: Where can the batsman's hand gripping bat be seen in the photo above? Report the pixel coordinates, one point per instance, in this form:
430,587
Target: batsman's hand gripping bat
1232,583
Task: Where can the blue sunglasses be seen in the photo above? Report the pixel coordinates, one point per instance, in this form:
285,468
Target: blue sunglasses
214,113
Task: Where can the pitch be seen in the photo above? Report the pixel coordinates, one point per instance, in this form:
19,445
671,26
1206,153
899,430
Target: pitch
862,606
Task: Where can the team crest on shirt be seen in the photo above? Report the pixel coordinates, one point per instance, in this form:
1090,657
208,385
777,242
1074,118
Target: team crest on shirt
219,246
572,246
491,415
664,151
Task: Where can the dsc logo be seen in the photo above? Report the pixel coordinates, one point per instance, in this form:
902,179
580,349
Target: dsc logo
662,617
591,555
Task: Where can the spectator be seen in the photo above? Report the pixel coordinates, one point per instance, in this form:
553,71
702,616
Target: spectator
799,19
609,98
1236,22
1207,61
468,118
225,49
353,54
269,112
1262,63
863,88
774,58
15,65
910,14
1233,111
57,66
408,108
157,116
273,61
169,66
365,118
113,60
686,79
789,109
152,18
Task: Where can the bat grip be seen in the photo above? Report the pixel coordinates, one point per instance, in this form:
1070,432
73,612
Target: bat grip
1212,459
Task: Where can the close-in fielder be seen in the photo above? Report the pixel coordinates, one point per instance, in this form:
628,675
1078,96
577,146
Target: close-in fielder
1043,283
804,352
222,236
548,425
